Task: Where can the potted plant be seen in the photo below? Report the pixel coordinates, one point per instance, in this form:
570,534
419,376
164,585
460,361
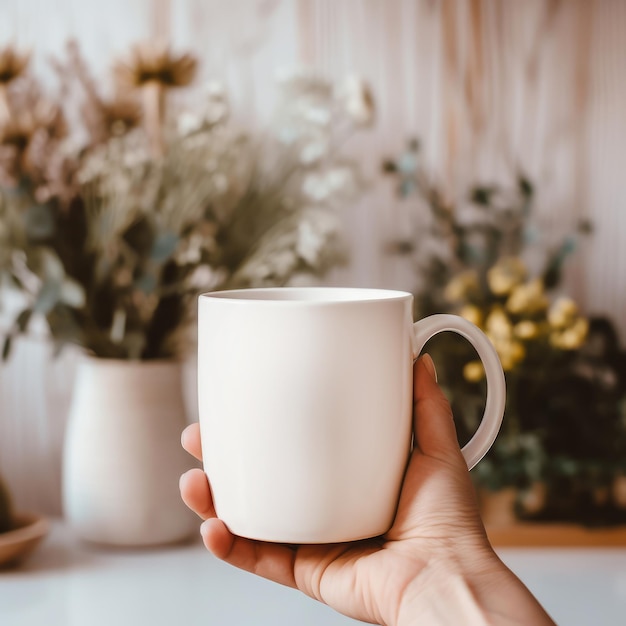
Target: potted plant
562,445
110,241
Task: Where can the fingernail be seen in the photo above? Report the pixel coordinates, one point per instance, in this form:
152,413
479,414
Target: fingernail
204,527
182,478
430,366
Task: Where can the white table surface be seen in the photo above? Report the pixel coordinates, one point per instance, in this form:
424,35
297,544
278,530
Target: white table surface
68,583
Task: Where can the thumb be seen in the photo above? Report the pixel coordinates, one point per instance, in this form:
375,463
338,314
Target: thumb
433,423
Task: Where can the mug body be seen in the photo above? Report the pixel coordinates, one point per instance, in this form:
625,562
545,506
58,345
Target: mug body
305,409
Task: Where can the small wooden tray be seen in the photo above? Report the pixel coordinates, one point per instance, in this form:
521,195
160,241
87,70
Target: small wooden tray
17,544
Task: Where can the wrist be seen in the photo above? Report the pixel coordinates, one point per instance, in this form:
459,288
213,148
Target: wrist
475,589
445,593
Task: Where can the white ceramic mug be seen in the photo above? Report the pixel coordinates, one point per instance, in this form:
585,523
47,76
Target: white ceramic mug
305,403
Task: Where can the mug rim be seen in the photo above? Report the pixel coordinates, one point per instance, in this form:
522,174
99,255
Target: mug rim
307,295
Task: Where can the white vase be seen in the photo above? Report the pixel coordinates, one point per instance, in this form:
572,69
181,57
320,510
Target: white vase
122,456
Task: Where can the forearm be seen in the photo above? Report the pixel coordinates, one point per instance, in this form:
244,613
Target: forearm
490,595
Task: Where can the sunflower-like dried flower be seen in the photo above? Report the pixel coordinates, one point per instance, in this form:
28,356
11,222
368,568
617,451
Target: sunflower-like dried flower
34,146
154,68
16,135
111,118
12,66
155,63
121,115
27,141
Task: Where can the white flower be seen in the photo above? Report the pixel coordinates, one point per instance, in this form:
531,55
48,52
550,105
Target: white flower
72,294
357,100
340,178
188,123
315,186
314,113
301,279
314,232
192,252
206,277
310,243
220,181
287,135
313,151
300,81
321,186
279,265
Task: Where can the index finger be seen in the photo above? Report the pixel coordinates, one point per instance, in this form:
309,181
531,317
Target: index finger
190,440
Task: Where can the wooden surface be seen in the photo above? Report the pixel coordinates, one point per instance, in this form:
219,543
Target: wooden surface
555,535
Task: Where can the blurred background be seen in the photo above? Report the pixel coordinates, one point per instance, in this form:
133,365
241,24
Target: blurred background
472,152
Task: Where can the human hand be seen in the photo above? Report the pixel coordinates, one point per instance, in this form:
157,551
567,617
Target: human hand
435,564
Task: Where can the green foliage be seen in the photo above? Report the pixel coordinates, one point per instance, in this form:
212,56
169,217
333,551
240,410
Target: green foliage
113,244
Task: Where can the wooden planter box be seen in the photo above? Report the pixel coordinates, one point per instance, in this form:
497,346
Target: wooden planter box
505,530
528,534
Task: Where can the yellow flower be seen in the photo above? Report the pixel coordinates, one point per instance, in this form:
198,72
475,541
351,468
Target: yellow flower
527,298
562,313
511,352
461,286
526,330
473,371
498,325
472,314
571,338
505,275
500,331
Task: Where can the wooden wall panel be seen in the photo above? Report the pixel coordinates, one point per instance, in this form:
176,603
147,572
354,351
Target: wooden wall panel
487,85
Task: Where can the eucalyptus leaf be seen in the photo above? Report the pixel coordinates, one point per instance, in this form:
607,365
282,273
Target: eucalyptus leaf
407,163
407,187
164,246
48,297
39,222
146,283
72,293
52,267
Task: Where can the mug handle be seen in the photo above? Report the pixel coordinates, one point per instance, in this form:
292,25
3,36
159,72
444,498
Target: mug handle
487,431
